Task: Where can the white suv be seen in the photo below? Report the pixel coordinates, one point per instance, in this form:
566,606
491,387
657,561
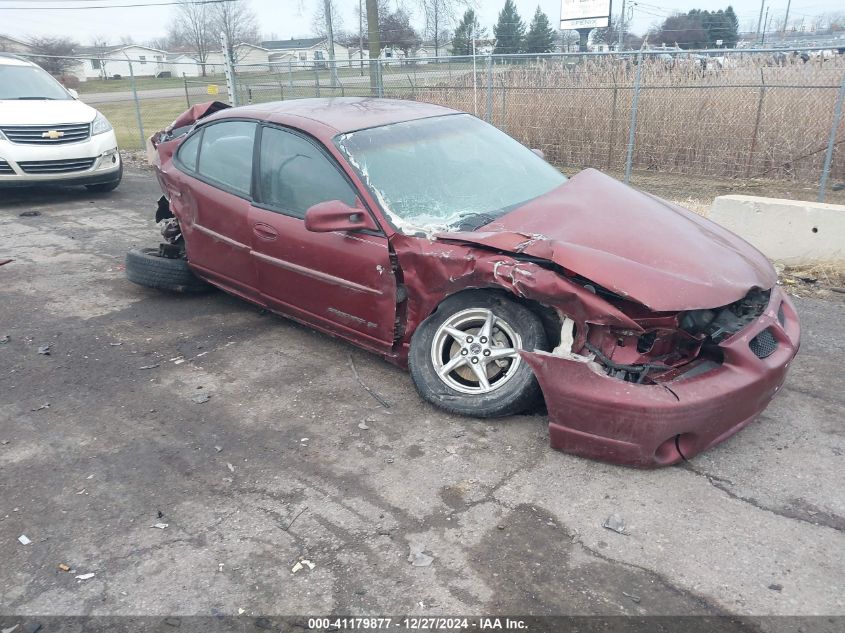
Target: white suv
48,136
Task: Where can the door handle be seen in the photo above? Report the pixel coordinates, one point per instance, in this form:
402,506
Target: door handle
265,232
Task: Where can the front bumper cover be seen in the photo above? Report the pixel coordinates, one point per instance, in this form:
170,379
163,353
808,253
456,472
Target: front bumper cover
596,416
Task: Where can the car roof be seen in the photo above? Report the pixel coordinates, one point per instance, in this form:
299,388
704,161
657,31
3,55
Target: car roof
13,60
343,114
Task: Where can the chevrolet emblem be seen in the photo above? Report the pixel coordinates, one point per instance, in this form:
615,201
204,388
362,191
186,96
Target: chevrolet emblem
52,134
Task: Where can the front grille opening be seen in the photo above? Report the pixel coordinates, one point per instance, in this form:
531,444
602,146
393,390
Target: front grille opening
6,168
764,344
56,166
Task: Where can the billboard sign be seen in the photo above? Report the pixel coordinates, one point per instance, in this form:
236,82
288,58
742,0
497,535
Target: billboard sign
584,14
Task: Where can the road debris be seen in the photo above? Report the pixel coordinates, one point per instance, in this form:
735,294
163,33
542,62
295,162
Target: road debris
363,426
295,518
44,350
775,587
302,564
29,214
172,621
24,540
631,596
5,338
370,391
63,567
85,576
201,398
46,405
219,449
616,523
153,366
9,629
160,526
115,344
230,466
241,611
416,556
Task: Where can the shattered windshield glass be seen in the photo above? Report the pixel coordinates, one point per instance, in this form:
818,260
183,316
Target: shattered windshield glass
446,173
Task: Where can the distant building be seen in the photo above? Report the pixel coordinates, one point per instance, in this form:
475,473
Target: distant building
10,44
107,62
304,52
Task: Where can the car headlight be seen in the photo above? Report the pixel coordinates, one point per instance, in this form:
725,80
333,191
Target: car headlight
100,125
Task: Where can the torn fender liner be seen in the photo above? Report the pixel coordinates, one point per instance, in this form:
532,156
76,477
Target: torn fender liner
631,243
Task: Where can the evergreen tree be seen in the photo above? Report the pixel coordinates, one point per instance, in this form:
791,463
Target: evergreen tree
541,36
465,31
509,31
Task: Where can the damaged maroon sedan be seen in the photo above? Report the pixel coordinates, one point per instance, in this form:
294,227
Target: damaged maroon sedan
437,241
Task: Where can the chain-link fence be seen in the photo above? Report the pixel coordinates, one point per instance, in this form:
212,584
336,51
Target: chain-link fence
738,114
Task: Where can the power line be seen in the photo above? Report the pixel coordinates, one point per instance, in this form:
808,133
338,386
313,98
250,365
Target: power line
114,6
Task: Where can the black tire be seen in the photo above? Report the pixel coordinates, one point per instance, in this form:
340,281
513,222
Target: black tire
145,267
105,187
515,395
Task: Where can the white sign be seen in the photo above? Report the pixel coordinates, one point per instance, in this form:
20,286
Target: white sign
584,14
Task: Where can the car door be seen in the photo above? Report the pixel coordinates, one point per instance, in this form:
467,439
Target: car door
340,281
214,193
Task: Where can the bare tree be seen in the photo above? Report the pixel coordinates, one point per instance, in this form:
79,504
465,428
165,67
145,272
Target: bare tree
101,54
319,21
440,15
240,24
193,28
59,49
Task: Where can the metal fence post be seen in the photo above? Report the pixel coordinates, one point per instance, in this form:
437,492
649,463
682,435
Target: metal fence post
828,157
290,75
316,80
137,103
632,133
488,114
187,96
230,72
755,135
379,77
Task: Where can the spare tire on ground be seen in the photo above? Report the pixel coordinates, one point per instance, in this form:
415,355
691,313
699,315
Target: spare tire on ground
146,267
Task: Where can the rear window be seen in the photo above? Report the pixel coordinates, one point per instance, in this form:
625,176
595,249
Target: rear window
225,155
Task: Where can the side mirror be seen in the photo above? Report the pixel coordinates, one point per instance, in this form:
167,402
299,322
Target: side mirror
334,215
539,153
73,93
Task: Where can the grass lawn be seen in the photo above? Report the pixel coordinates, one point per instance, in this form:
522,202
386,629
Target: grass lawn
156,114
141,83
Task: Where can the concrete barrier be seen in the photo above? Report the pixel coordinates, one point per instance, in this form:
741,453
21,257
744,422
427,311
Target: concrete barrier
788,231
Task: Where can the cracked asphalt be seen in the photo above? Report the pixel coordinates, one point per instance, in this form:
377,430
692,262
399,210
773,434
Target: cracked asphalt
275,467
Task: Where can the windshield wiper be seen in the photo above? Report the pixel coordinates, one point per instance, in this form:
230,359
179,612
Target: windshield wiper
35,98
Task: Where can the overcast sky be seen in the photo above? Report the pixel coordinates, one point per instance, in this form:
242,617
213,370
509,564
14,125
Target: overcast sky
290,18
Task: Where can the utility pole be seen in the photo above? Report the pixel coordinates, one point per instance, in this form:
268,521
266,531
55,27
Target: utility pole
765,27
375,43
327,4
621,26
760,19
786,19
361,34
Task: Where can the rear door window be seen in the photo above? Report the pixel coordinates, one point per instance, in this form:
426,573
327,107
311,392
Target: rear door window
225,156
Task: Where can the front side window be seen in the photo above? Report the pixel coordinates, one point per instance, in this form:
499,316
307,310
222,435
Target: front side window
294,174
225,155
445,172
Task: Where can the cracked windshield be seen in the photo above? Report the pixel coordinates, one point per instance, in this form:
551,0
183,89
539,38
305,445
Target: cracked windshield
447,173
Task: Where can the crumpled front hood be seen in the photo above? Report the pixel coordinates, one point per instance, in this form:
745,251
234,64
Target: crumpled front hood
631,243
46,112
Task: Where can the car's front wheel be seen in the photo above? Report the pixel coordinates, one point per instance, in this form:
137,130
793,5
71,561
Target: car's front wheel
465,357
